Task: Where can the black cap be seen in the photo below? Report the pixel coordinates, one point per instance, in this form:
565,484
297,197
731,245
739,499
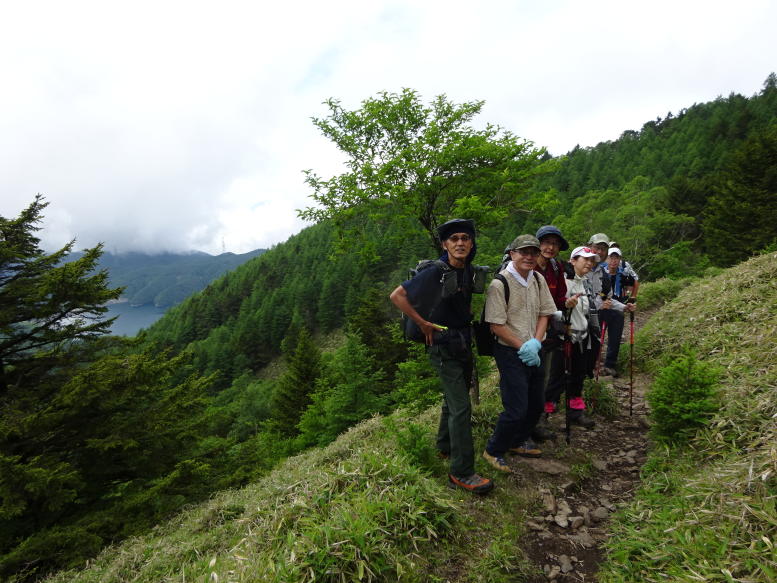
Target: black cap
456,226
552,230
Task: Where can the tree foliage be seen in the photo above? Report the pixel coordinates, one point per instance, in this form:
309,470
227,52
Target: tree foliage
92,431
421,163
293,390
741,216
45,305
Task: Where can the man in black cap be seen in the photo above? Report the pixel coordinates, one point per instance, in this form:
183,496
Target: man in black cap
448,337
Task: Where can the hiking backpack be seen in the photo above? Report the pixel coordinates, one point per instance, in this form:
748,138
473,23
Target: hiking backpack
426,306
484,338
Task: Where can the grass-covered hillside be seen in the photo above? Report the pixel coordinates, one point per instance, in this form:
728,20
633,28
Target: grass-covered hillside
707,510
373,505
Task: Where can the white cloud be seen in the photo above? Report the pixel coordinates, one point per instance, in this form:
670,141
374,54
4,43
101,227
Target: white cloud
179,125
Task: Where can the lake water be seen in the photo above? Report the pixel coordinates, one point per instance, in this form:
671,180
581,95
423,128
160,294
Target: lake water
131,319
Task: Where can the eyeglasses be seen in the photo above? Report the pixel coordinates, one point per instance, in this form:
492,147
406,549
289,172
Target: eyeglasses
457,238
551,242
530,251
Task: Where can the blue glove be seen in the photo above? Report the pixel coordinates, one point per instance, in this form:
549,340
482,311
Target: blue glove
530,352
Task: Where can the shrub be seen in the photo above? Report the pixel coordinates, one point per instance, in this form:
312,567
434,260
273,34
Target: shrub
601,399
414,441
655,294
682,398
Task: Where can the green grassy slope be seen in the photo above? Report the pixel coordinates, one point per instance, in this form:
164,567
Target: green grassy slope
708,512
373,506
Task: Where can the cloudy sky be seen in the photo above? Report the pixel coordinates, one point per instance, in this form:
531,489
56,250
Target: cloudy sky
159,125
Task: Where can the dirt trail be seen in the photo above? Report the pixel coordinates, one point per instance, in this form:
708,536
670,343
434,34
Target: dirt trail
580,485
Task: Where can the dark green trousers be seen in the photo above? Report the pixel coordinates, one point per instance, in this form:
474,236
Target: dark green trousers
454,435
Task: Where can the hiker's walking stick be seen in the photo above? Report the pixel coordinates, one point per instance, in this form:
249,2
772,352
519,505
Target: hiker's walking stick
567,370
631,363
601,349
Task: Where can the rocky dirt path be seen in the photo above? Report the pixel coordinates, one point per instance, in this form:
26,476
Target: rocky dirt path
581,484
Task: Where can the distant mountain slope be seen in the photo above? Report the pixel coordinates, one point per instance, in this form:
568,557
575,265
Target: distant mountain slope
167,279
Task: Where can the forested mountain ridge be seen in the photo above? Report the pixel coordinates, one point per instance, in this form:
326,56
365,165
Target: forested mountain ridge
634,189
165,279
198,371
709,171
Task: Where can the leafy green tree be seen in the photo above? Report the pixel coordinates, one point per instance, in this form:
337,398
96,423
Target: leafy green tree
45,305
635,215
421,164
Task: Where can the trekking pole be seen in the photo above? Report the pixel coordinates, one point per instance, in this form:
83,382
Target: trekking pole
631,363
567,370
599,353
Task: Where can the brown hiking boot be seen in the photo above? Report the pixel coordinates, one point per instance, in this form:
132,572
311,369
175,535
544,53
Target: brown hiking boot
474,483
527,449
498,462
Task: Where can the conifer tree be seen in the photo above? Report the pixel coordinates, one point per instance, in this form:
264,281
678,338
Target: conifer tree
741,216
45,305
88,427
292,394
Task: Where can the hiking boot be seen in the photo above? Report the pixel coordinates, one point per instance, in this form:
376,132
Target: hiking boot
542,432
474,483
527,449
581,419
608,372
498,462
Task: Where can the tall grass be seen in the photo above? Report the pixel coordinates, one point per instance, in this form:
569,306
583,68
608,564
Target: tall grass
355,510
372,506
707,511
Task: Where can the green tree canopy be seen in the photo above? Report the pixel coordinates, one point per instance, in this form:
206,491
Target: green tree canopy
424,164
44,304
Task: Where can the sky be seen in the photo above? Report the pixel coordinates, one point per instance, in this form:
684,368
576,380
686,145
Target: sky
178,126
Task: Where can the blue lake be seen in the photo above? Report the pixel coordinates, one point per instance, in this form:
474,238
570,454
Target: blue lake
131,319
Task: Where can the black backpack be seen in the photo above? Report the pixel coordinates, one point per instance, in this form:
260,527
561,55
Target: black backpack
426,306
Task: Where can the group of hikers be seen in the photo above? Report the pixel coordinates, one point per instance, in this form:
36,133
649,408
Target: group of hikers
548,318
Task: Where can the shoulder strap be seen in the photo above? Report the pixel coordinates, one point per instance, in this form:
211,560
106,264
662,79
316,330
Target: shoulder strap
442,265
506,287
